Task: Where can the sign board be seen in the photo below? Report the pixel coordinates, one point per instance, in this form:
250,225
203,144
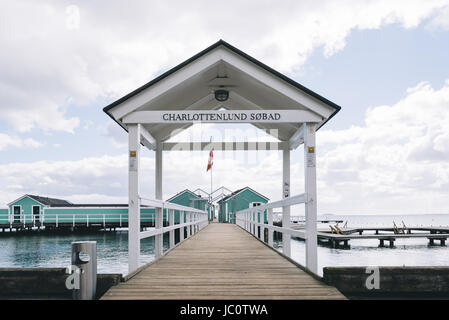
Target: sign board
311,160
133,161
223,116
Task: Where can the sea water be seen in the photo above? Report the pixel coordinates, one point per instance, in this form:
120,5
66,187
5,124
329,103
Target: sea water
32,250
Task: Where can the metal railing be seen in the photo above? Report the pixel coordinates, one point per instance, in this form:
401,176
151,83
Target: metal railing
74,219
252,219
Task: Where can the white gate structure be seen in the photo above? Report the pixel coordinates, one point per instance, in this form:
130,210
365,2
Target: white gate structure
222,84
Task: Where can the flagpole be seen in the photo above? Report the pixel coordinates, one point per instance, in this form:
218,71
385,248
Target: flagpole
211,168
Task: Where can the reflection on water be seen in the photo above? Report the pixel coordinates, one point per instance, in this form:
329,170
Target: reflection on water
54,250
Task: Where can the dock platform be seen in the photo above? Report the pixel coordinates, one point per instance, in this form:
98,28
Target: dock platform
222,261
333,240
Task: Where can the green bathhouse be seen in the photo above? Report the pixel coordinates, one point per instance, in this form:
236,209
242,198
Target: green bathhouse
36,211
239,200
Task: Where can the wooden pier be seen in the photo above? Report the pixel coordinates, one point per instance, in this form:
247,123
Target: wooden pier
222,261
384,235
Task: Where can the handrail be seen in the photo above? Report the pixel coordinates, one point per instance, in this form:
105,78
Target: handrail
248,219
298,199
169,205
195,220
75,218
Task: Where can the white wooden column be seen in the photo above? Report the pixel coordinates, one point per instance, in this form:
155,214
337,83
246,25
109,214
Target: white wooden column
133,197
311,197
285,194
171,221
159,211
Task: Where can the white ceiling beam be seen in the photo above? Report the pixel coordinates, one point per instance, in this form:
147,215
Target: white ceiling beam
297,138
147,139
225,146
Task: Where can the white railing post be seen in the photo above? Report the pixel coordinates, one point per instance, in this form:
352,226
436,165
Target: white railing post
56,221
262,228
73,222
181,221
158,238
286,237
188,221
104,220
171,222
87,220
270,223
254,222
311,197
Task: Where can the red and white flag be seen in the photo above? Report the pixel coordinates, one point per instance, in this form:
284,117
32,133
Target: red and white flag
211,160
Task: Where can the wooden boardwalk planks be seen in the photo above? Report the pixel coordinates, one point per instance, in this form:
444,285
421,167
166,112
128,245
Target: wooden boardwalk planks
222,261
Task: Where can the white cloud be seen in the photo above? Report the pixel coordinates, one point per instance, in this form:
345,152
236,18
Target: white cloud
14,141
397,162
59,54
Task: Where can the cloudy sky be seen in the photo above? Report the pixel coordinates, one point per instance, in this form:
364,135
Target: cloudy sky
384,62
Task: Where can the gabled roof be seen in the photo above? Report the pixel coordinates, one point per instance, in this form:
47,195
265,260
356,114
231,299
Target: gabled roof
49,201
246,78
46,201
184,191
232,195
239,52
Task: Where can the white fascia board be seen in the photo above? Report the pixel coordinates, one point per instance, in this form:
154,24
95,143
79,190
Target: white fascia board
25,196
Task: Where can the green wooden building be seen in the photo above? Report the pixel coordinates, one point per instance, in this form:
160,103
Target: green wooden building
239,200
188,198
36,211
